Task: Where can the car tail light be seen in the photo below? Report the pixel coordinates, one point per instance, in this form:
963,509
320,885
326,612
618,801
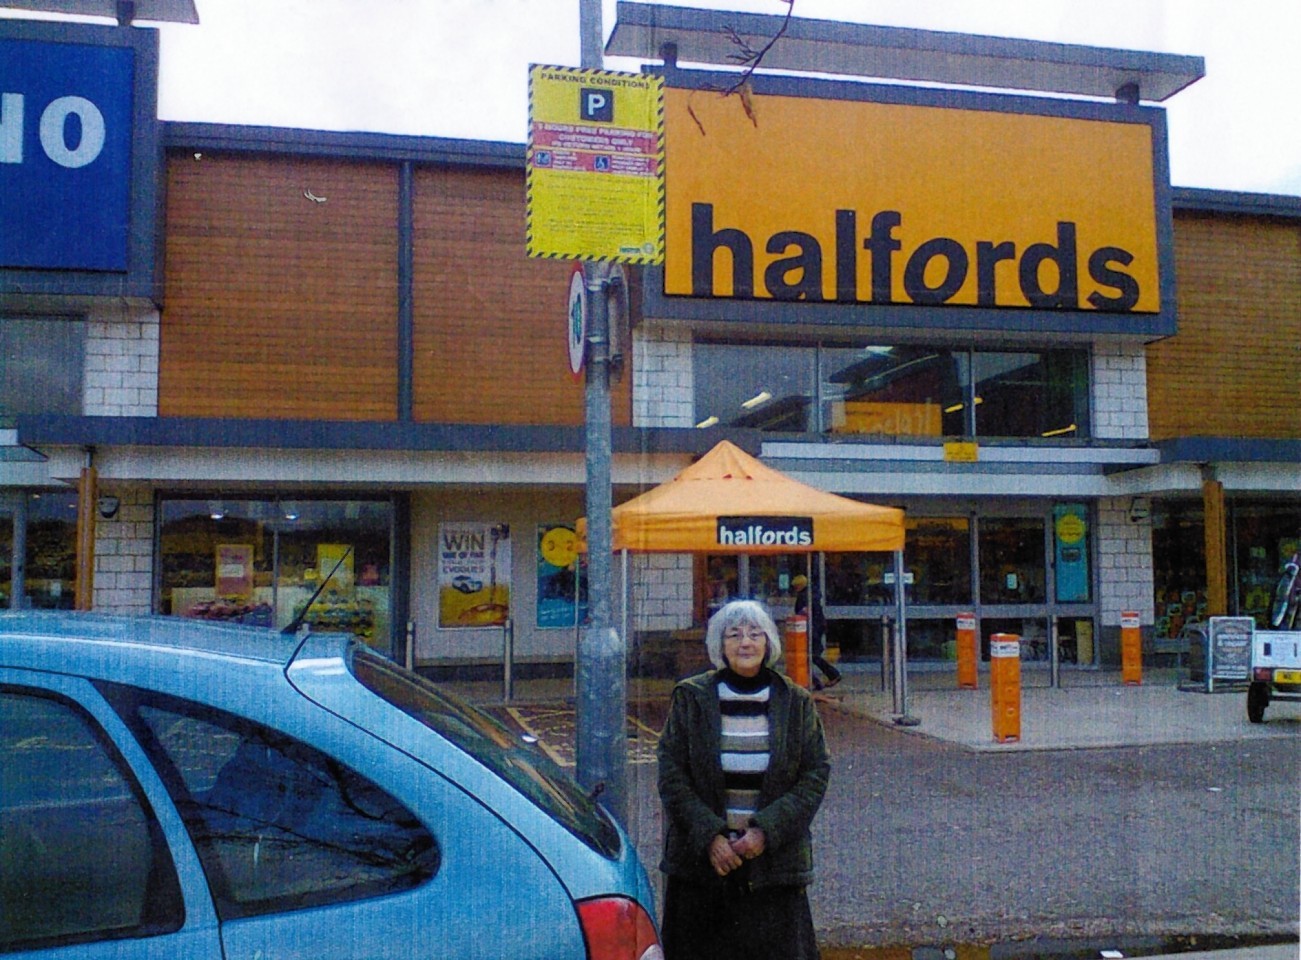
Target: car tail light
617,928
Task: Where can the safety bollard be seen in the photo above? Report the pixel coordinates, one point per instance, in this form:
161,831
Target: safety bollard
966,652
1005,686
1131,650
795,648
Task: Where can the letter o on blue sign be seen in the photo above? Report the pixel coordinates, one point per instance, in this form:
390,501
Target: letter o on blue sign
54,125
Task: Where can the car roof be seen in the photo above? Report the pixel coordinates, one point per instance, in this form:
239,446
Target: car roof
62,629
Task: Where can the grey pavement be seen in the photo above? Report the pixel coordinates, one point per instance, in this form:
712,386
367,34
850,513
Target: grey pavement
1091,708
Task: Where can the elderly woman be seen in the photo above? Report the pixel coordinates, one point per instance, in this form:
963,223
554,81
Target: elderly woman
742,769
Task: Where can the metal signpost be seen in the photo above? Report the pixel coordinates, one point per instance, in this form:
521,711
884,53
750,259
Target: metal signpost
595,193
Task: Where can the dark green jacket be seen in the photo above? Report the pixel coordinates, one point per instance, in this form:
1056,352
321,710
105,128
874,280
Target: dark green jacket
691,783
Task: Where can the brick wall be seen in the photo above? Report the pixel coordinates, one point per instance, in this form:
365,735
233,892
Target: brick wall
121,374
1124,563
661,591
1231,370
663,387
1119,391
124,550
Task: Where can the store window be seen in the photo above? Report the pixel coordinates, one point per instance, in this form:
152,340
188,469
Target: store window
41,363
1012,568
891,390
1031,394
1265,536
50,571
261,561
761,386
937,555
1179,566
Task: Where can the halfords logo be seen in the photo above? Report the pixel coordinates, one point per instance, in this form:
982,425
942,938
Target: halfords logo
765,531
933,272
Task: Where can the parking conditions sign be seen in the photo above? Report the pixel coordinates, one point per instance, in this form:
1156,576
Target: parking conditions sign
595,165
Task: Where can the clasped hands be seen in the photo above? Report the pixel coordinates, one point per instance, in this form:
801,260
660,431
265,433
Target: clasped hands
726,855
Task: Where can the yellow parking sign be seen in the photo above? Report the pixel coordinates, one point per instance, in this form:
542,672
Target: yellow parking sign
595,165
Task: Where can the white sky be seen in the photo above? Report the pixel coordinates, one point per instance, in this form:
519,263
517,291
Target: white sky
458,68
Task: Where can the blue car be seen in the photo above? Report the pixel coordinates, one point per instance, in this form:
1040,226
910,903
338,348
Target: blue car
176,789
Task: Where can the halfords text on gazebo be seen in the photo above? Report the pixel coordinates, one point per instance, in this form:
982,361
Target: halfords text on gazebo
765,531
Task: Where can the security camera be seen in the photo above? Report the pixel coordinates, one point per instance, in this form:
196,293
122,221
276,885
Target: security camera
1139,511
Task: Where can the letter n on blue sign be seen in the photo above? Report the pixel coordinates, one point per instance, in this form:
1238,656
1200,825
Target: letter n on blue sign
65,155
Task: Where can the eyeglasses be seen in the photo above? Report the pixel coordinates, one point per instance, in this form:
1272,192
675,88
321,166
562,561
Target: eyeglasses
735,635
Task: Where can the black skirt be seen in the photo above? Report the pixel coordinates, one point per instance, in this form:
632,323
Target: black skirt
726,921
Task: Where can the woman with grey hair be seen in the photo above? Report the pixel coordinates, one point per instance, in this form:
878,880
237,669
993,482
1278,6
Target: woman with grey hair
743,768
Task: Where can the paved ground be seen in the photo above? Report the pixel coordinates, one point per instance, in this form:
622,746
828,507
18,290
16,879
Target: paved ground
1122,815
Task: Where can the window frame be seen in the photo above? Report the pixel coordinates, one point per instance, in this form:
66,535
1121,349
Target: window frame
164,908
127,701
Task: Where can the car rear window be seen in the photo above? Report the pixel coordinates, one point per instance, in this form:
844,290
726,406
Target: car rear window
523,766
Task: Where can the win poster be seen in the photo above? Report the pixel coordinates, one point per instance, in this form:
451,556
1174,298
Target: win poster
473,575
561,577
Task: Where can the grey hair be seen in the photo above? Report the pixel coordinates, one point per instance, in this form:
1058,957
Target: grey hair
741,613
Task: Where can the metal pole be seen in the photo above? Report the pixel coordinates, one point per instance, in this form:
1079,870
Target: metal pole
885,652
1054,655
601,707
901,646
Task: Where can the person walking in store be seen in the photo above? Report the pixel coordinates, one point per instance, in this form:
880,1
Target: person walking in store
817,632
743,767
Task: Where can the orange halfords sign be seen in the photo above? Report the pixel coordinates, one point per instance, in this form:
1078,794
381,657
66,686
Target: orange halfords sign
851,202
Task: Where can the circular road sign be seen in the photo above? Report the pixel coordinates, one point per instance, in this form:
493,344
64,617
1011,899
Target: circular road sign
576,319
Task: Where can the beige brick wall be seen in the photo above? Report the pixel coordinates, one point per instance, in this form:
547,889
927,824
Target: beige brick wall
1119,391
1124,563
124,550
121,372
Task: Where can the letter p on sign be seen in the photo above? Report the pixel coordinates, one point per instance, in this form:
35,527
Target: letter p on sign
596,106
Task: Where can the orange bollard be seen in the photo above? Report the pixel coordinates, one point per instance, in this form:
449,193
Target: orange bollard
1131,650
1005,686
795,648
966,652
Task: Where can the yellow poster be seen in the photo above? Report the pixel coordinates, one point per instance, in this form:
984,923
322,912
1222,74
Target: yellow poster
328,557
473,575
595,165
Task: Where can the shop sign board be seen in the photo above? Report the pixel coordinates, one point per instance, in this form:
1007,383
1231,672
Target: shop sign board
595,165
915,207
1230,648
78,153
474,574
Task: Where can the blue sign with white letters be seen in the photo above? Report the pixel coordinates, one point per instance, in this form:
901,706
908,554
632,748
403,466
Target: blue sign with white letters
65,155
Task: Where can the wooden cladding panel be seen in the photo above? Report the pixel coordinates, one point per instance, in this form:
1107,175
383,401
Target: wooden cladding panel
278,305
1232,368
489,336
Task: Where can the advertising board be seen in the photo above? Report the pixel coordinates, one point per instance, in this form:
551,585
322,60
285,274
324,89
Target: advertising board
884,202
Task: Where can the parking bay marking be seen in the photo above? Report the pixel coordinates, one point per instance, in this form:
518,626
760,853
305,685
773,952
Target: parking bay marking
558,725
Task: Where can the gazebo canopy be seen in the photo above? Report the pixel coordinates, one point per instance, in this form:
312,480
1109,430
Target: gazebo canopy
729,502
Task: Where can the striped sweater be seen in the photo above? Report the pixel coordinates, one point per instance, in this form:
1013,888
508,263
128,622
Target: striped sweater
743,703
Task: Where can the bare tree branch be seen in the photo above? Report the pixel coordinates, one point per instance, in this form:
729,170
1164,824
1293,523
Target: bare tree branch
752,59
